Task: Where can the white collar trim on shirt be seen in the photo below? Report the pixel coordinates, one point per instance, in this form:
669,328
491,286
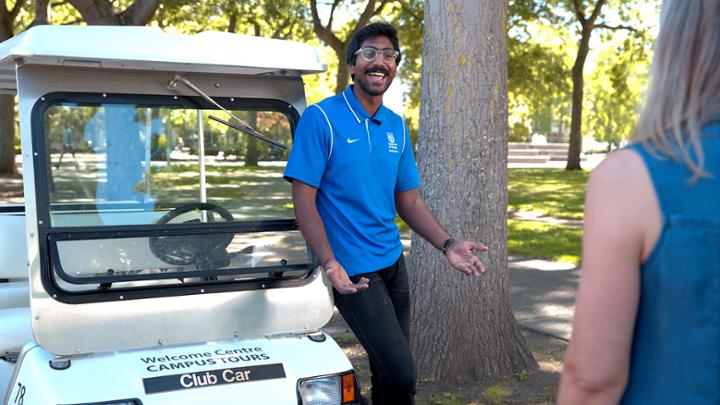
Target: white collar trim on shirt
332,135
351,109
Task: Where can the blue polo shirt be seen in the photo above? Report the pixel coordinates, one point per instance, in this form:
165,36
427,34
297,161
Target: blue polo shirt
357,163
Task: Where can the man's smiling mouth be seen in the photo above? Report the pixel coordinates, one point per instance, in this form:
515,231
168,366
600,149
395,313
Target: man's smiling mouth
377,72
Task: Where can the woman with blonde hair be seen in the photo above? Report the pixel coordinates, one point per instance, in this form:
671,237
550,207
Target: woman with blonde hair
647,317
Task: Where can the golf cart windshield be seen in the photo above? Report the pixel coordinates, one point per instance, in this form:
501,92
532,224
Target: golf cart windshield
157,191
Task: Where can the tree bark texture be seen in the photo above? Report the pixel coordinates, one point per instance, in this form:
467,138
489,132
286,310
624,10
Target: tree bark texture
463,328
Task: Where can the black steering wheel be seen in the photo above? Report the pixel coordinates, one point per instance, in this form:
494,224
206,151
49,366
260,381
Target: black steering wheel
182,250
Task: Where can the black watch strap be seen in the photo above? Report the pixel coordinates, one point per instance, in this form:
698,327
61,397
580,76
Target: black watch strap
446,245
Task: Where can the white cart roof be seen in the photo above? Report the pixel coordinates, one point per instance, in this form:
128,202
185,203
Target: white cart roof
149,48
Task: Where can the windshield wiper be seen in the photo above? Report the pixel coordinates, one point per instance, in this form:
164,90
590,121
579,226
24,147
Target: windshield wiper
243,126
248,130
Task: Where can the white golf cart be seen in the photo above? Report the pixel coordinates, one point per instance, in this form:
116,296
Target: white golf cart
154,261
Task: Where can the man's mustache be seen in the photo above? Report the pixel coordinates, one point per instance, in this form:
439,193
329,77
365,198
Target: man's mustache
377,69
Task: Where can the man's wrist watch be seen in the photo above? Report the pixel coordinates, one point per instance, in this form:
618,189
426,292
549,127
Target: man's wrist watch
446,245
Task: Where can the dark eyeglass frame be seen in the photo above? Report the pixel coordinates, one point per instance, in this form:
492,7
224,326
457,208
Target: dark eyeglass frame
388,54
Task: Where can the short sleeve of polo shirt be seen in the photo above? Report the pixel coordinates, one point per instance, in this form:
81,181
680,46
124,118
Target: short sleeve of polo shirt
408,177
311,148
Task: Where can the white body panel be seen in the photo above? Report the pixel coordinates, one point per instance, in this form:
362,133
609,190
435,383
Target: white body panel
67,329
109,47
124,375
13,249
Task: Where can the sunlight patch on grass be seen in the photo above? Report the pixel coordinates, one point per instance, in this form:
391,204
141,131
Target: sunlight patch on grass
544,241
554,192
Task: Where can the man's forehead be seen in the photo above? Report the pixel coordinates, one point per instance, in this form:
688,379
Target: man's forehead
380,41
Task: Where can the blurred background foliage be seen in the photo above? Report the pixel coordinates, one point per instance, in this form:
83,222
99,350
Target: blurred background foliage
543,40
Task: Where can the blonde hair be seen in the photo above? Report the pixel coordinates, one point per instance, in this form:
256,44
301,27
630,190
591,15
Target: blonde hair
684,90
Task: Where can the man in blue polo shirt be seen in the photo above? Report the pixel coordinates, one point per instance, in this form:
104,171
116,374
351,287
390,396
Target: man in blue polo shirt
352,168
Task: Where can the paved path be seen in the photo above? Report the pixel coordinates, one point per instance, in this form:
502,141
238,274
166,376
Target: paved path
542,296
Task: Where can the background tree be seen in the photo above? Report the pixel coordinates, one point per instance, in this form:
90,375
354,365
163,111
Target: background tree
331,38
138,12
539,60
280,19
462,152
615,91
407,17
571,19
8,21
589,15
103,12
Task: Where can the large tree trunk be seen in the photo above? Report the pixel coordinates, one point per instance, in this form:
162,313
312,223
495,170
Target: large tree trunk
463,328
573,159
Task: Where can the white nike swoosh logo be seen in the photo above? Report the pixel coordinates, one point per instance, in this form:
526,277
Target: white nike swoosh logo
352,140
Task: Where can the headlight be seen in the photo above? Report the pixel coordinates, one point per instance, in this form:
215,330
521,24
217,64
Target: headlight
328,390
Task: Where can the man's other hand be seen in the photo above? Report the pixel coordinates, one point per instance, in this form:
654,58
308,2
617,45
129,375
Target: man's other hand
460,255
340,280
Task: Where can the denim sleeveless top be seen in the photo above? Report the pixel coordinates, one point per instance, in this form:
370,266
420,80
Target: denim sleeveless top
675,356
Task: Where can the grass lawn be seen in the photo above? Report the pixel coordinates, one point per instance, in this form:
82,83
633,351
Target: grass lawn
544,241
550,192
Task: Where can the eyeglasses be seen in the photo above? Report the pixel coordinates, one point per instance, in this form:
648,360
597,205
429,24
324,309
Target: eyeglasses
369,53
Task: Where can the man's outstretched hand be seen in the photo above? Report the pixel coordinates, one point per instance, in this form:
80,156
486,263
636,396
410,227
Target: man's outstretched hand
460,255
340,280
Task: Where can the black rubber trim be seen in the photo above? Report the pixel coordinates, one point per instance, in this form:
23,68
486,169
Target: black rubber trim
12,209
205,287
126,231
42,168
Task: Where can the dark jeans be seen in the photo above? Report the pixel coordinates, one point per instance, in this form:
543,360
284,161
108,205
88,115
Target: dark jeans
380,318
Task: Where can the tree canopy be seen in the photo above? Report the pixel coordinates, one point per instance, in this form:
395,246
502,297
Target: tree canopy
545,38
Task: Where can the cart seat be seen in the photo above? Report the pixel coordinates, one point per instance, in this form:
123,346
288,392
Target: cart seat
15,329
15,317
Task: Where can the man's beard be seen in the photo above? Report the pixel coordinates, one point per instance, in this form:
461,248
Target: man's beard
367,88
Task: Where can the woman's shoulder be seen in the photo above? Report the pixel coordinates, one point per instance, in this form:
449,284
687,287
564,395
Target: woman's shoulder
620,167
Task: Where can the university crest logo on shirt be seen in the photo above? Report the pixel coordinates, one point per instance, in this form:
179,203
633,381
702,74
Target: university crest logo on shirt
392,145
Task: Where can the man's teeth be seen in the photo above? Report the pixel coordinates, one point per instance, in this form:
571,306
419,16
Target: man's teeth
377,74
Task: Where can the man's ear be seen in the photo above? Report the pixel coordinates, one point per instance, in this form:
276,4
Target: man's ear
351,70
